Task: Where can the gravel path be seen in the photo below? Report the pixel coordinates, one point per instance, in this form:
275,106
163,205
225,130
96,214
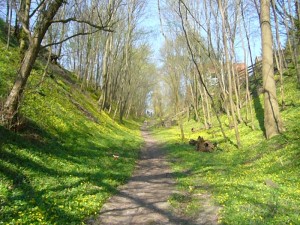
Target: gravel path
144,199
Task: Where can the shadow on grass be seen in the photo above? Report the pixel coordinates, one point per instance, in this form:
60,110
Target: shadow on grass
259,111
238,179
49,172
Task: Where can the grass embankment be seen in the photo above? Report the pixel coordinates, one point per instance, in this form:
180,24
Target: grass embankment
257,184
59,167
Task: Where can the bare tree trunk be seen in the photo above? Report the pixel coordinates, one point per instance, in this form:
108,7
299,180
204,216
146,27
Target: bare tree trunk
62,35
195,104
87,64
198,70
12,102
7,10
247,96
229,75
48,59
116,110
104,94
279,56
80,45
24,33
207,105
180,121
272,120
177,111
296,38
235,80
9,20
10,109
203,107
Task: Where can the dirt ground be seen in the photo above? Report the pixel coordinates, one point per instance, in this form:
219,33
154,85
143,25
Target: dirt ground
144,199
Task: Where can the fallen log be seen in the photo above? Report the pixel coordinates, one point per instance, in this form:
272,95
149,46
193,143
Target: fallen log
193,142
202,145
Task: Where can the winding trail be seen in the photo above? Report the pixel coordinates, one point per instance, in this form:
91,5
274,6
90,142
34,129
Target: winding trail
144,199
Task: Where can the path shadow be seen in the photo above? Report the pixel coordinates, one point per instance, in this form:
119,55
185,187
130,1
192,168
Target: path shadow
172,217
259,111
145,198
33,166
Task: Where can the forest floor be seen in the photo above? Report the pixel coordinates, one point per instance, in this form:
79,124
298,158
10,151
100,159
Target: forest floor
145,198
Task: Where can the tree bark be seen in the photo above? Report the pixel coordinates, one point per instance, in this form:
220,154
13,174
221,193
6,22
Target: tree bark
279,56
9,19
229,75
10,109
272,121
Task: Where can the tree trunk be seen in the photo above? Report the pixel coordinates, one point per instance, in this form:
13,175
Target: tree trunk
24,40
194,99
9,19
12,102
279,56
10,109
272,121
203,107
247,94
198,70
181,127
104,94
229,75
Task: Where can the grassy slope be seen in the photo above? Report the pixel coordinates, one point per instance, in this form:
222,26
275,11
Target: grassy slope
59,169
236,178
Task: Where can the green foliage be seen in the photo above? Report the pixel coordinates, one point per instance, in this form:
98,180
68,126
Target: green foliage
239,179
8,68
59,168
66,176
2,31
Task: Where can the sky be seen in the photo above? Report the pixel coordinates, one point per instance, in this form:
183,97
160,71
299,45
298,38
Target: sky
152,23
156,39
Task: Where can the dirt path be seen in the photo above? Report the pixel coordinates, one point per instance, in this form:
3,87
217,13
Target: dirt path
144,199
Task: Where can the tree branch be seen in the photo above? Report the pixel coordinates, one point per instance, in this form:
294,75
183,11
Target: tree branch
73,19
72,36
197,68
37,8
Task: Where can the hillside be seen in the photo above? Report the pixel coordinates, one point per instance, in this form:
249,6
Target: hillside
59,168
65,157
256,184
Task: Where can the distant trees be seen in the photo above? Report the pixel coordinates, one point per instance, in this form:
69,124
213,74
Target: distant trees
116,65
202,74
30,43
175,68
218,34
104,61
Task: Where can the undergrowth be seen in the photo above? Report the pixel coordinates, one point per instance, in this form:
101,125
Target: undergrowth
59,168
256,184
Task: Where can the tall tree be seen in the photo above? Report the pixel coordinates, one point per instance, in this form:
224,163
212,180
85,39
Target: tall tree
272,120
35,20
44,19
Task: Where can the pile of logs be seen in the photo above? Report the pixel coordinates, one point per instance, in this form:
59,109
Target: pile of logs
202,145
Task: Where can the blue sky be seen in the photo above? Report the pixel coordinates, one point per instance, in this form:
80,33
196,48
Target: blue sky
152,24
156,39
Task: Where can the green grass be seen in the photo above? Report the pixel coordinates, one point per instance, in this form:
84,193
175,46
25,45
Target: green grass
59,167
236,178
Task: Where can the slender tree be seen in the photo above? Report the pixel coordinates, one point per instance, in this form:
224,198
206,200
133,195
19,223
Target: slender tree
272,120
42,17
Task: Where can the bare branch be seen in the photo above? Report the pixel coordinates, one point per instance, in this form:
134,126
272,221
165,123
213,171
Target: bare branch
73,19
72,36
37,8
